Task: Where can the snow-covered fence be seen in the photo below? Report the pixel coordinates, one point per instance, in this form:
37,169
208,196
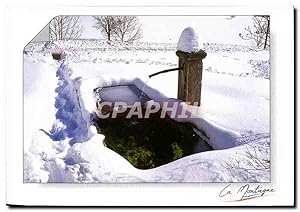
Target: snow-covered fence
190,60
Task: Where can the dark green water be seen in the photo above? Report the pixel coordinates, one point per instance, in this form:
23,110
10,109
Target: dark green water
151,142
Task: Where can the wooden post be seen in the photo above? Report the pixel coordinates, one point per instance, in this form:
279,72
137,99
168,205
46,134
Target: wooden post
190,77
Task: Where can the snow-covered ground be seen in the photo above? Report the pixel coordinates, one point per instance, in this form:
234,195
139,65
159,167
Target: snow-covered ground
61,145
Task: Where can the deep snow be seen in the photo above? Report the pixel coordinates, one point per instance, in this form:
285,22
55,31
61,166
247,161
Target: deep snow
61,145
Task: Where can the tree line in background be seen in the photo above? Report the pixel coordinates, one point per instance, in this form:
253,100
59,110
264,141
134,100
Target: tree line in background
121,29
128,29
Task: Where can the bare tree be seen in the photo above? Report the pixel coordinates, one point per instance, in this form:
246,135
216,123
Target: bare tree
259,32
105,24
123,29
128,29
65,28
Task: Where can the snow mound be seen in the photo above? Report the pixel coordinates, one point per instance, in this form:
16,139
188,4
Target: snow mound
188,41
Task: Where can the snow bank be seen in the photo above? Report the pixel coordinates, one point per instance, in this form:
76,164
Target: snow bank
39,113
188,41
71,120
229,165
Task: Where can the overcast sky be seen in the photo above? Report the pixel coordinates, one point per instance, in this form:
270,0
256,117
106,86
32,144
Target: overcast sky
218,29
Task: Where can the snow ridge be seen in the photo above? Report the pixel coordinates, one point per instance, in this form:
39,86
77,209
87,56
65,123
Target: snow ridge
70,122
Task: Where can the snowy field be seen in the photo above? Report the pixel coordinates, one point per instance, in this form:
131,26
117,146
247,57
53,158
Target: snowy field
61,145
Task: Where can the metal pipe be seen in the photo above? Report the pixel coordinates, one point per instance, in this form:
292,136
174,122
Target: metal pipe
165,71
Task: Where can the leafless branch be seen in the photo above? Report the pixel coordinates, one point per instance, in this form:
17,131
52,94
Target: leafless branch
65,28
253,161
259,32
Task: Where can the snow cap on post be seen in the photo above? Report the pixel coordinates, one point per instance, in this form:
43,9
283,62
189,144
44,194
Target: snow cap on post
190,62
188,41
